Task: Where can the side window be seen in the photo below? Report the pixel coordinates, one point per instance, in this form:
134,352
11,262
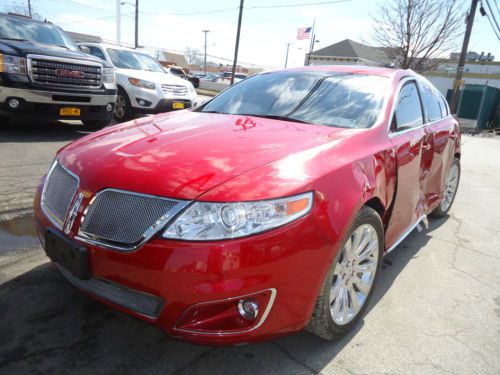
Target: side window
97,52
432,103
408,113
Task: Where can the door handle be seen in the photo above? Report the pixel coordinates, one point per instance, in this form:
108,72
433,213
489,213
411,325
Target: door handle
426,147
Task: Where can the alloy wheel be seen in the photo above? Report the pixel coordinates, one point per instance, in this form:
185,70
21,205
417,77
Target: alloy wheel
354,274
120,106
450,188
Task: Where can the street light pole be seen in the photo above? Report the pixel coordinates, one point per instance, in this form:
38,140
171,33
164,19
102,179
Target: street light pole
286,58
136,23
118,21
205,59
461,61
235,61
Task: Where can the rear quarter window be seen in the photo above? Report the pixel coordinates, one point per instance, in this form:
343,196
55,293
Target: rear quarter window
431,100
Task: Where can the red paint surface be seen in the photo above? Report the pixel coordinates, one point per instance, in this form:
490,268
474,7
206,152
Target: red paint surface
213,157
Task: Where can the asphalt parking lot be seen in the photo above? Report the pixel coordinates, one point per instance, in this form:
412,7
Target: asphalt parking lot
436,308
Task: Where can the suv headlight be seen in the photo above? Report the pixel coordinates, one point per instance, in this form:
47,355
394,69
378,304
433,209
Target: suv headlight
12,64
142,83
108,75
204,221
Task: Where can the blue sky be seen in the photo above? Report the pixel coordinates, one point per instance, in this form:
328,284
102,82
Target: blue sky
172,25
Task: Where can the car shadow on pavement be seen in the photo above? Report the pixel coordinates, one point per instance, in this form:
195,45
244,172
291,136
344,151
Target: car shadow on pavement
42,132
47,326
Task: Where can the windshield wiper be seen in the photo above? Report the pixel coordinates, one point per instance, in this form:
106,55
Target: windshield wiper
62,46
219,112
274,117
17,39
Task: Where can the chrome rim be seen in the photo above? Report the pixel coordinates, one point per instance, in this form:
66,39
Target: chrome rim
450,188
354,274
120,107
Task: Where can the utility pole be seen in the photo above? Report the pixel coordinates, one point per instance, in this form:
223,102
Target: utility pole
235,61
311,45
118,21
457,84
136,23
29,9
286,58
205,58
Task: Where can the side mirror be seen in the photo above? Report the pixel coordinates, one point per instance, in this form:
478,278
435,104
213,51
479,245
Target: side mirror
84,49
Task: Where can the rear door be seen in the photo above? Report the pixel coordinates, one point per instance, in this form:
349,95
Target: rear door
440,129
408,137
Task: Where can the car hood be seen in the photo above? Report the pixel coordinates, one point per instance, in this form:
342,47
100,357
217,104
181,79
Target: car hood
156,77
24,48
184,154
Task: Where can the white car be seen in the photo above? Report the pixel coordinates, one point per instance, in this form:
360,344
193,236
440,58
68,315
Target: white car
143,84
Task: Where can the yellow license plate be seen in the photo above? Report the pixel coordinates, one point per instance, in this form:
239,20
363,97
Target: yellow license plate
178,105
69,111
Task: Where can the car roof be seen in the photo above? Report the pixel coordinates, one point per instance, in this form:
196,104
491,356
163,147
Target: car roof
356,69
113,46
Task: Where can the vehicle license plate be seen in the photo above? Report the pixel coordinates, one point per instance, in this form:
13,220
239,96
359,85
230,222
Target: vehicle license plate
178,105
69,111
68,254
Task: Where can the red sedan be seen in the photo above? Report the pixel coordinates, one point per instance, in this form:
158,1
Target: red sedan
264,211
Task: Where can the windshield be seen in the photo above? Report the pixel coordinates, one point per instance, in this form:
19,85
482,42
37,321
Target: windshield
331,99
25,29
124,59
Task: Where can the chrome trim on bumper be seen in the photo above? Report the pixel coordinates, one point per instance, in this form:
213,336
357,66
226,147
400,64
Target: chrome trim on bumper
45,97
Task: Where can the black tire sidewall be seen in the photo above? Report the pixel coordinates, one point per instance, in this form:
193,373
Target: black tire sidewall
438,211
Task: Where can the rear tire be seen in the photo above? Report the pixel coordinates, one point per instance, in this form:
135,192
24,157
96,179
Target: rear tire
96,124
450,191
123,109
338,290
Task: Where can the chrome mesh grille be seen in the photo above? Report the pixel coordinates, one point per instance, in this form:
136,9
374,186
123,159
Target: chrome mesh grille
142,303
175,89
124,217
50,72
58,192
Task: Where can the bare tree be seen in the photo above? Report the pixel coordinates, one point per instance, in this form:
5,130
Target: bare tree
192,55
416,33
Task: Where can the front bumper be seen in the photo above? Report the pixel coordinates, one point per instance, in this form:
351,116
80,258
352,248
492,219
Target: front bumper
290,262
45,105
157,101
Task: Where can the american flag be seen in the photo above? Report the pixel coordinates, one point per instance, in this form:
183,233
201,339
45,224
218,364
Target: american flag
304,33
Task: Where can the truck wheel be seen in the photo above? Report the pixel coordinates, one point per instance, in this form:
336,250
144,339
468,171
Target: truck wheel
349,283
123,108
96,124
450,190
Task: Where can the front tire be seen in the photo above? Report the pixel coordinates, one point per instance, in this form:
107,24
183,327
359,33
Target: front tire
450,190
348,286
123,109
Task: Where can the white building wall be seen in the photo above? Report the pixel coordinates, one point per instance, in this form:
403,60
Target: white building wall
445,83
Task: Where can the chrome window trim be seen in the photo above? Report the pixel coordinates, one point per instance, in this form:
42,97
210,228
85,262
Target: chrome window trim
227,333
48,213
30,57
402,82
148,234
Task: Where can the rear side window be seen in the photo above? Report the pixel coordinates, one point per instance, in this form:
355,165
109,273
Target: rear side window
432,102
408,112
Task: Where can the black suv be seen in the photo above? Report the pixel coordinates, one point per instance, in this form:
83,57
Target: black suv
45,76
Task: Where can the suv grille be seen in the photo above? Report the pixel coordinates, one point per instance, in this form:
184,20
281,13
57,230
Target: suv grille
51,72
175,90
125,218
58,192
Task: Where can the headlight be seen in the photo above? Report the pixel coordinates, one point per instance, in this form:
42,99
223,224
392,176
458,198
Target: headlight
215,221
191,88
12,64
142,83
108,75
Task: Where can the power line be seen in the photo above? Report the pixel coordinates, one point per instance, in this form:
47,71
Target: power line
492,14
252,7
497,32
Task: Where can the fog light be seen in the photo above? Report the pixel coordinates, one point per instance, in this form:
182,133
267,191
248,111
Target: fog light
142,102
14,103
109,107
248,309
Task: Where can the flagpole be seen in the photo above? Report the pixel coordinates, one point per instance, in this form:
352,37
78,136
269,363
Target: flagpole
311,44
